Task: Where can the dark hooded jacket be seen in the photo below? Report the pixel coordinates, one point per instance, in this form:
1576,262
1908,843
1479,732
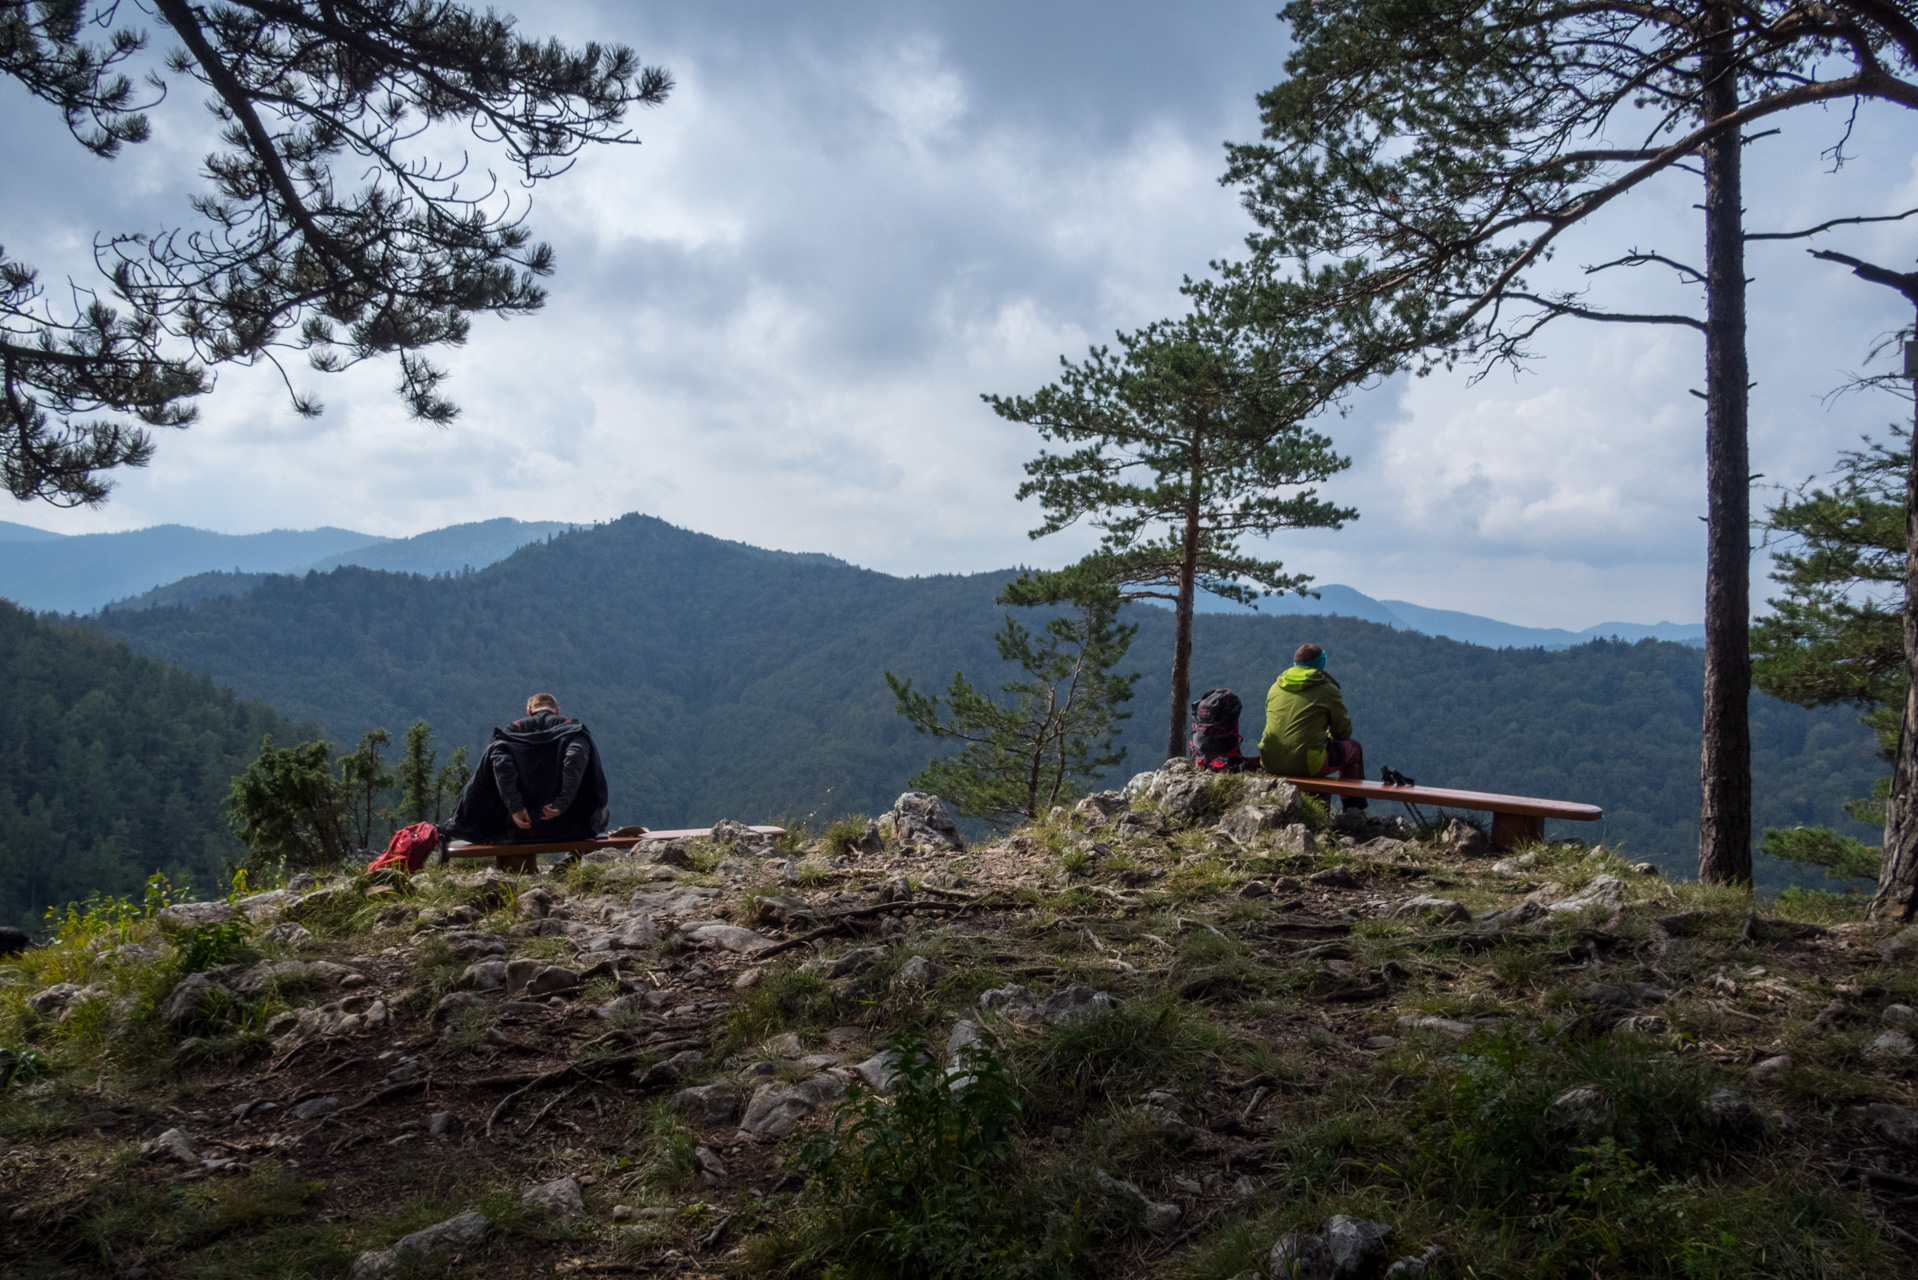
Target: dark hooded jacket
544,759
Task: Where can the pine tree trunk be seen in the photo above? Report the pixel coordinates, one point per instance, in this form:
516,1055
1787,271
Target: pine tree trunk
1724,820
1897,894
1182,644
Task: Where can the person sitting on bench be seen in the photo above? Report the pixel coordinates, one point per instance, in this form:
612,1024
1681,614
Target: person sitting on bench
1308,733
539,781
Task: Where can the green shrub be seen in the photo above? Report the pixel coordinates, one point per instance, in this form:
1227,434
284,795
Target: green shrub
206,946
920,1183
843,834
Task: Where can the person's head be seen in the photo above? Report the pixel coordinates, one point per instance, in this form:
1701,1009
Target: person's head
1309,655
541,702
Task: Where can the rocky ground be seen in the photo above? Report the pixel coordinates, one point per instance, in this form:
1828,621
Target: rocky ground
1198,1027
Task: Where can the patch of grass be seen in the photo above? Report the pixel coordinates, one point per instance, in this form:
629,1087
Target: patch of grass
1068,1071
784,1000
842,834
1821,907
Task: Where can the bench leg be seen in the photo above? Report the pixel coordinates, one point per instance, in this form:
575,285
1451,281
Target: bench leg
1510,830
518,863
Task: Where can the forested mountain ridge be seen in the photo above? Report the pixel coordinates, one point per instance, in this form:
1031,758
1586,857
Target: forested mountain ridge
727,681
112,766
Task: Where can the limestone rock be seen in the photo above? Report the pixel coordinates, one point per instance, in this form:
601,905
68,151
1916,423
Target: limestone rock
1142,822
1297,838
728,937
51,1000
454,1002
1604,891
709,1105
552,980
1897,1125
486,975
189,996
857,960
1247,823
879,1071
1446,910
287,934
1893,1044
1299,1256
455,1235
193,915
1900,947
1772,1066
778,1106
1733,1110
170,1144
1355,1244
1158,1217
314,1108
1101,807
1461,837
740,838
559,1197
920,818
1457,1030
915,972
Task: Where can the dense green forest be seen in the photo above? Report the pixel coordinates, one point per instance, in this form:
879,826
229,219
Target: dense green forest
725,681
112,766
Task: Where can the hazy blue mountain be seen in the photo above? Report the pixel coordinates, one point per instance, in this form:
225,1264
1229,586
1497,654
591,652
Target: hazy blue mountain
10,532
449,550
724,681
1346,602
172,564
80,573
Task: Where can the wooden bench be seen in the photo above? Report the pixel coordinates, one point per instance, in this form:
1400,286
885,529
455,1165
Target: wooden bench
525,857
1516,820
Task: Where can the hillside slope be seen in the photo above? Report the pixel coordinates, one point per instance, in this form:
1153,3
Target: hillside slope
725,680
111,766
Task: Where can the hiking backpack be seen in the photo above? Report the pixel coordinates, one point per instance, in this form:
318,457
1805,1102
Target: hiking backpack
409,848
1215,740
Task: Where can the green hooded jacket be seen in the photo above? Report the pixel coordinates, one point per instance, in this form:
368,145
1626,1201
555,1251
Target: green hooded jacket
1303,712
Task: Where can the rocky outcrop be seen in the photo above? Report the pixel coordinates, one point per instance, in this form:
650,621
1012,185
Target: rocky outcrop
920,820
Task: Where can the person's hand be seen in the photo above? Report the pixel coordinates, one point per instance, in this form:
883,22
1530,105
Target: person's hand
522,819
550,812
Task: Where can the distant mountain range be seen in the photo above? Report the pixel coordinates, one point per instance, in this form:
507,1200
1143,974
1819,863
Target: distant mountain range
1402,615
57,573
175,565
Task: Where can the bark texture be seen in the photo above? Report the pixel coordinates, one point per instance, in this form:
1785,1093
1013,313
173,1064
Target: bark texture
1724,819
1897,895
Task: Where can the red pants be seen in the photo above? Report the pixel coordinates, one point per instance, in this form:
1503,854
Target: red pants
1345,759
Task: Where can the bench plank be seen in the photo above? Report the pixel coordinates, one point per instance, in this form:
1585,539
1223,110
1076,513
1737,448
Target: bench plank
1448,798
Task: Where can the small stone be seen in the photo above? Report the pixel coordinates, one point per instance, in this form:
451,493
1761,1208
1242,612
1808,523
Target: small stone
1898,1125
1893,1044
1461,837
1444,910
1354,1243
708,1106
169,1144
559,1197
455,1001
712,1168
487,975
1381,1042
438,1123
857,960
1299,1256
915,972
1898,1015
1158,1217
1645,868
455,1235
1900,947
1457,1030
1296,838
778,1106
748,980
879,1071
313,1108
728,937
1603,892
623,1213
1733,1110
1772,1066
1582,1106
552,980
1335,878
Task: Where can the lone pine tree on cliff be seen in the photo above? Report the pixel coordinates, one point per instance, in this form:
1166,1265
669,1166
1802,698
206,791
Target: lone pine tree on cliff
332,224
1188,439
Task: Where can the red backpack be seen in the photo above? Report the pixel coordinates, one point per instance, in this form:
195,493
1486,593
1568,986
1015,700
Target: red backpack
409,849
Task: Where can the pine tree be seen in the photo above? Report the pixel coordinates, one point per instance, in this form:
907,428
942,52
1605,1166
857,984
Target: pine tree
1048,734
287,805
364,782
289,256
418,783
1189,439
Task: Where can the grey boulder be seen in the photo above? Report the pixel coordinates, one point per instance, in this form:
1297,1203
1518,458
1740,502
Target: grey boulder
1354,1243
708,1105
778,1106
559,1197
920,818
455,1235
1298,1255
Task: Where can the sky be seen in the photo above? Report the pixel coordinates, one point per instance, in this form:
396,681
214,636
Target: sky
772,321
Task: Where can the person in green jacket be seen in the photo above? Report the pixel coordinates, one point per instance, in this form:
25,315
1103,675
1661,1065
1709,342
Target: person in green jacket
1308,732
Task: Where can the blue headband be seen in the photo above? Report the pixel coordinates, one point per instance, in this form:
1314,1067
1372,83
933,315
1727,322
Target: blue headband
1318,663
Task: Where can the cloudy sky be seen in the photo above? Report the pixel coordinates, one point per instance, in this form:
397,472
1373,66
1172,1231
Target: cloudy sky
772,321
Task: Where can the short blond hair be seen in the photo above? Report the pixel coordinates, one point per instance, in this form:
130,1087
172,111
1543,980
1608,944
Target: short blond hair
541,702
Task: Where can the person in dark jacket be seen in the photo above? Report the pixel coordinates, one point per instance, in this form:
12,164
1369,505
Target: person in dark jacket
1308,732
540,780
